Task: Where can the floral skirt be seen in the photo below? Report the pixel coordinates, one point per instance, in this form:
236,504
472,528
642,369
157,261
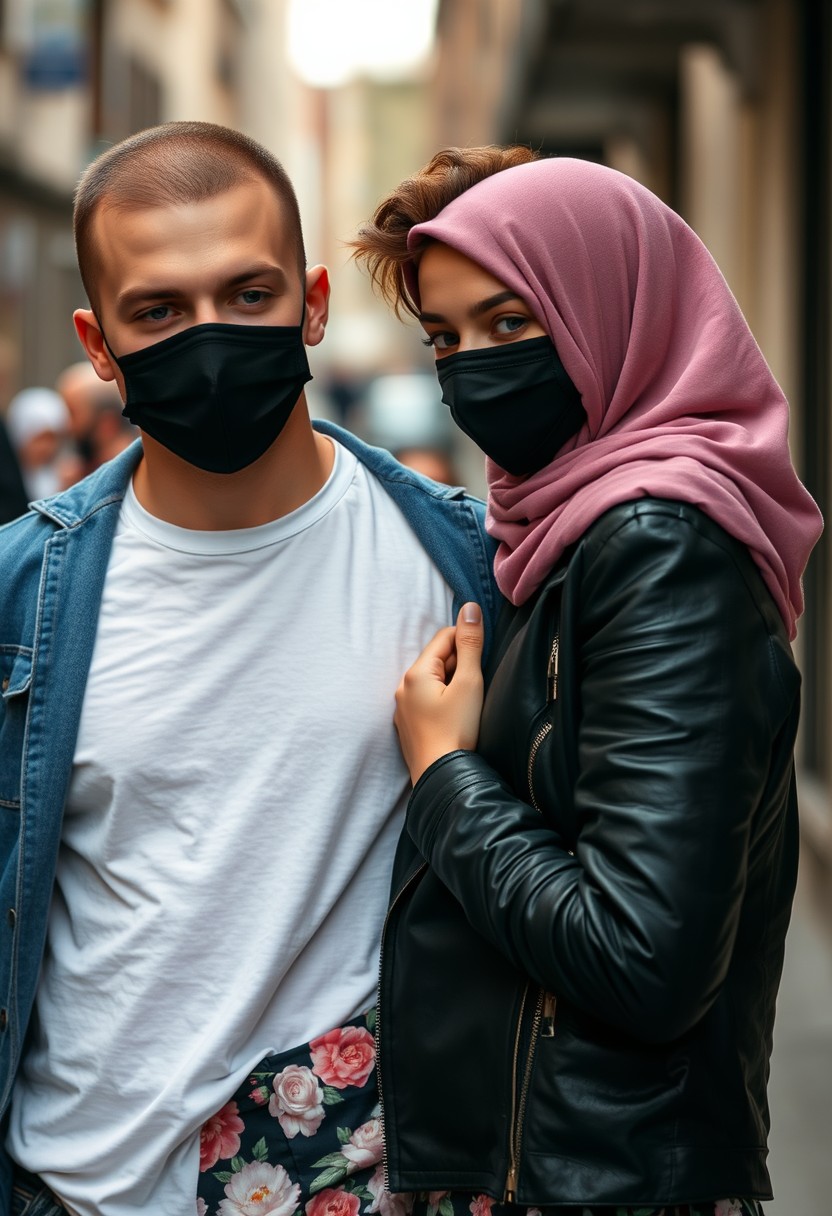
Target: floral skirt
303,1137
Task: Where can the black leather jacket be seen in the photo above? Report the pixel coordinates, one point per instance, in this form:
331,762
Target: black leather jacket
578,988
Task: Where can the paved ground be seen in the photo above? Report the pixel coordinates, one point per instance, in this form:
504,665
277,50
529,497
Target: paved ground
801,1076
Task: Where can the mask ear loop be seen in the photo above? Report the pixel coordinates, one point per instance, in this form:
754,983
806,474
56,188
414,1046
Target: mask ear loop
104,336
114,357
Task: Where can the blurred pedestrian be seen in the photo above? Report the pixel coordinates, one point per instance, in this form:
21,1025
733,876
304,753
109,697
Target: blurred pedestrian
38,426
433,462
111,431
13,499
95,407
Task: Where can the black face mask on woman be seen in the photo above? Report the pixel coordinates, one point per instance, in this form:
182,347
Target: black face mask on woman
217,395
516,402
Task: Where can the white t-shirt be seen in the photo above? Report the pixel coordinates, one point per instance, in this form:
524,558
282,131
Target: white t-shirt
236,797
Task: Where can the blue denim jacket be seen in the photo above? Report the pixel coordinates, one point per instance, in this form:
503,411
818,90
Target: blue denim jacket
52,566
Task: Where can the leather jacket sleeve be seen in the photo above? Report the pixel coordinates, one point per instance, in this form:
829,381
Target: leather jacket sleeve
684,685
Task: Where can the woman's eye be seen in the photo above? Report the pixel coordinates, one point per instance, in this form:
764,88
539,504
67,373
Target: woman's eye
441,341
510,325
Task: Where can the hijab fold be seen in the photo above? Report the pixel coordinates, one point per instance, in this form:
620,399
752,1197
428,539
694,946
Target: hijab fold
680,402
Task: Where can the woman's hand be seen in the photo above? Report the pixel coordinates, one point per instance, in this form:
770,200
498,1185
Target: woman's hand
439,701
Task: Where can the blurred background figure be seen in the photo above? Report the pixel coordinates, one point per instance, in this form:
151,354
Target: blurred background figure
13,498
97,426
430,462
38,426
78,384
111,431
404,413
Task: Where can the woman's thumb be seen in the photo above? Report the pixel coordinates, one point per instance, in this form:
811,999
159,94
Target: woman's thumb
469,635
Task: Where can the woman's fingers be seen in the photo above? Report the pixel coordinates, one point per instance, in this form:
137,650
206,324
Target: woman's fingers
439,700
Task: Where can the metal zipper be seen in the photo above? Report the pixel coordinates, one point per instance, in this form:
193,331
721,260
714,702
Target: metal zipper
511,1176
552,669
377,1030
543,1022
536,742
552,691
517,1122
547,1023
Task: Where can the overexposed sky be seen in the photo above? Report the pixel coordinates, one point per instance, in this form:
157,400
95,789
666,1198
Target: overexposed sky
331,41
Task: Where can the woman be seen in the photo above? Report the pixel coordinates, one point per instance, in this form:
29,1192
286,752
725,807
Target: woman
583,950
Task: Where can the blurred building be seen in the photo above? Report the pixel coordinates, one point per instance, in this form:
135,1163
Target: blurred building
79,75
724,109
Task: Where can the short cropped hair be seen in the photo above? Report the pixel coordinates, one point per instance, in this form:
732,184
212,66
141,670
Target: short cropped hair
177,162
381,244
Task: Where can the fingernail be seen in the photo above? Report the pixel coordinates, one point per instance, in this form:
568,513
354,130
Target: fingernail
471,614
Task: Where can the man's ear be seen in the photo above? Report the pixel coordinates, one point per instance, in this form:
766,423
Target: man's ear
92,340
317,305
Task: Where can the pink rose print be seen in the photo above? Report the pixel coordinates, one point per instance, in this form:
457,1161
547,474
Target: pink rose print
260,1190
383,1202
436,1197
296,1101
344,1057
259,1095
481,1205
219,1136
728,1207
333,1202
201,1208
365,1146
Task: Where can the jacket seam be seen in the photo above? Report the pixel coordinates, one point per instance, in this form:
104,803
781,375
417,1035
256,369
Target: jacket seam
438,815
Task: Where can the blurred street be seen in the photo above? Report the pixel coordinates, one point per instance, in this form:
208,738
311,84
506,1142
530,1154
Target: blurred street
801,1076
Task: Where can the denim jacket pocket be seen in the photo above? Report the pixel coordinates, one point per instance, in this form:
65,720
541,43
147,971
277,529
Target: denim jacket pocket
15,680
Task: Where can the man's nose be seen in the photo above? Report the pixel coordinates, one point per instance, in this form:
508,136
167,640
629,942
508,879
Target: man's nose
207,313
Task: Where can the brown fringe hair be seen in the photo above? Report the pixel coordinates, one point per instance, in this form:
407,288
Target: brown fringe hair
381,244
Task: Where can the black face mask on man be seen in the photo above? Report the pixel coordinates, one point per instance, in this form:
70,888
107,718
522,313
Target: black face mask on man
216,395
516,402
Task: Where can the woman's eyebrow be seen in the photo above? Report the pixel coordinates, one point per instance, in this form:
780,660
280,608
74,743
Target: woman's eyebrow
500,298
476,310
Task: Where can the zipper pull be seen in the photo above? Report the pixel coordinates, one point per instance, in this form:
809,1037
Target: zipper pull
511,1184
552,670
547,1022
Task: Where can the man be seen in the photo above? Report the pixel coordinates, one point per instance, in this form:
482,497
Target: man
200,785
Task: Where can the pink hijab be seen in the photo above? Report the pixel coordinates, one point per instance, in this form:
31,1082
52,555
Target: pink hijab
680,402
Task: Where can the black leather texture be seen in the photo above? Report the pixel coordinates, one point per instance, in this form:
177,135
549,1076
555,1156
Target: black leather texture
578,987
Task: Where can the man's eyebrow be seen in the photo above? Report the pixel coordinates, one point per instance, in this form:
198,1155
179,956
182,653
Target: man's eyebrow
148,292
476,310
255,272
